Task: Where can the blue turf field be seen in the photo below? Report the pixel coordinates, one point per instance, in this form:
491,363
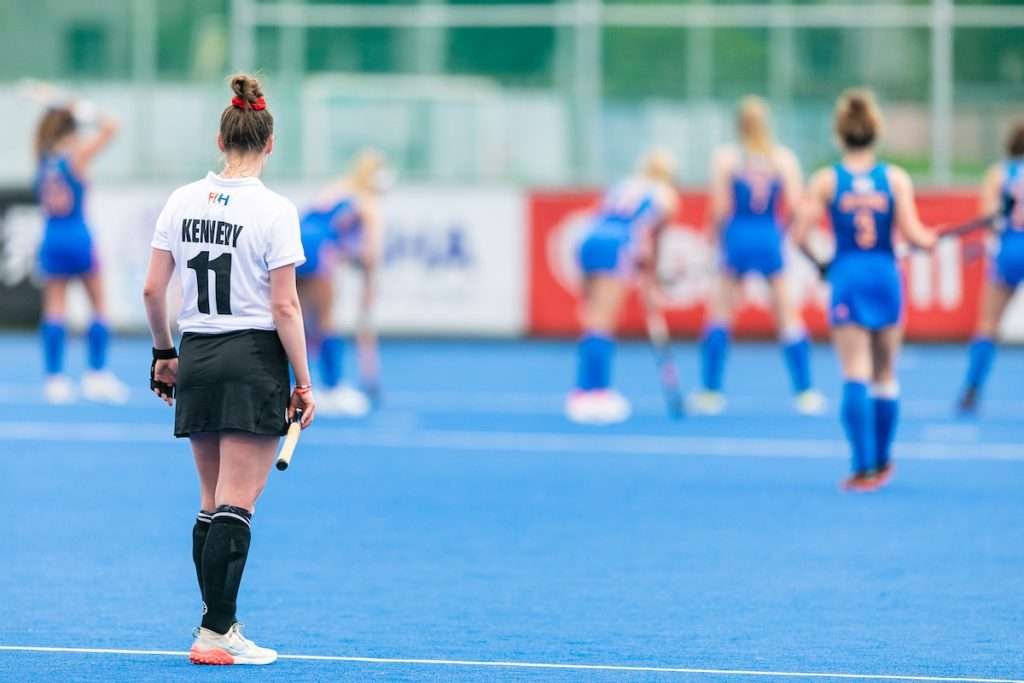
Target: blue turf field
468,521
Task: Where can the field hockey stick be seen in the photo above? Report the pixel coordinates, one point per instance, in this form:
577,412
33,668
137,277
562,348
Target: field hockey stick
668,375
291,440
819,265
980,223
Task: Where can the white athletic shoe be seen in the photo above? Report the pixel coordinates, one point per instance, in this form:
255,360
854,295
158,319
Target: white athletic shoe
705,402
103,387
611,406
59,390
343,401
210,647
810,402
597,407
579,407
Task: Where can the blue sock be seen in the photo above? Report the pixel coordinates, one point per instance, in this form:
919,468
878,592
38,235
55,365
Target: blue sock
887,409
332,349
594,364
98,337
798,362
983,351
857,416
713,350
53,335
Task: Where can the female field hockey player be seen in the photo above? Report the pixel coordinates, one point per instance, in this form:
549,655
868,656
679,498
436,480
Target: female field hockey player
1002,194
620,243
866,201
64,154
234,245
750,184
344,223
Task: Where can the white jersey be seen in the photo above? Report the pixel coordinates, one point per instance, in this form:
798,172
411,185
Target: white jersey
226,235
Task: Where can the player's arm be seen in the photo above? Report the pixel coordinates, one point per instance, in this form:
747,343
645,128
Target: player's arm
649,248
107,127
154,295
792,179
991,190
908,222
373,228
811,206
719,193
284,306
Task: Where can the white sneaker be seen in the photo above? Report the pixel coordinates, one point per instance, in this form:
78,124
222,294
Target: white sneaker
580,407
59,390
810,402
231,648
343,401
705,402
606,406
103,387
611,406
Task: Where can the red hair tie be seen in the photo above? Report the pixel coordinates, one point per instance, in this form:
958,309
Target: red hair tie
258,104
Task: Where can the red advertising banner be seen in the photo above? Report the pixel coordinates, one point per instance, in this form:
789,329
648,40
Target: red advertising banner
941,288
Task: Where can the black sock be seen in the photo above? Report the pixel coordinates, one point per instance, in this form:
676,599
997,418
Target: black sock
227,546
199,531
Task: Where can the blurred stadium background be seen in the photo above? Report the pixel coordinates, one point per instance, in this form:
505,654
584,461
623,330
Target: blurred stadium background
481,104
467,520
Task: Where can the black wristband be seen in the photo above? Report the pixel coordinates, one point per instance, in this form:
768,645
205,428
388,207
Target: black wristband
165,354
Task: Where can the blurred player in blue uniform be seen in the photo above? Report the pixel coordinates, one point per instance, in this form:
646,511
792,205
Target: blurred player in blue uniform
64,154
867,201
619,246
344,225
1002,194
751,185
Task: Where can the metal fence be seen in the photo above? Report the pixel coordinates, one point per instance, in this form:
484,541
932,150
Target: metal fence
590,85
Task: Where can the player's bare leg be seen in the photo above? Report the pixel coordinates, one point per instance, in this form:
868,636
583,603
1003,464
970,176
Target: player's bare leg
99,383
243,465
367,347
599,314
57,387
796,348
725,297
885,391
853,346
995,297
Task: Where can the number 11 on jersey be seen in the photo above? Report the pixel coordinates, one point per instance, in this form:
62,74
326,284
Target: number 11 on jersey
221,267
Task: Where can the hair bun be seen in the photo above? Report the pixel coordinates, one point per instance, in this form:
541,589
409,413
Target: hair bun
246,87
857,104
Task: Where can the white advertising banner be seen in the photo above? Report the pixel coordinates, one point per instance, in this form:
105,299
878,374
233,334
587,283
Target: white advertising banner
453,259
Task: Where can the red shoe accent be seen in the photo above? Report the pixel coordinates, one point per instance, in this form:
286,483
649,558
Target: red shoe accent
884,475
215,656
860,483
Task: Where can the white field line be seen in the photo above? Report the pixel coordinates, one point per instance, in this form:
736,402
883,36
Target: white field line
535,665
551,403
530,442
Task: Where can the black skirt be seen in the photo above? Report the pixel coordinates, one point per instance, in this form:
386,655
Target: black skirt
232,381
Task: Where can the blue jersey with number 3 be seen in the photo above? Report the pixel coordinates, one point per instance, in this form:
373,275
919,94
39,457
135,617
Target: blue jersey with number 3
862,211
866,287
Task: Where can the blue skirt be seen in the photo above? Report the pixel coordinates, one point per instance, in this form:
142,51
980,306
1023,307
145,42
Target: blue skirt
66,251
603,249
1008,267
866,291
752,247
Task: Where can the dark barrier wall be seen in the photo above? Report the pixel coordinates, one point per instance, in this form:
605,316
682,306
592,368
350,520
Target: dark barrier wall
19,301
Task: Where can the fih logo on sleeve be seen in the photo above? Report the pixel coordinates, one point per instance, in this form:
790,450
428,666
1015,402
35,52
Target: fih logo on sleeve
219,198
